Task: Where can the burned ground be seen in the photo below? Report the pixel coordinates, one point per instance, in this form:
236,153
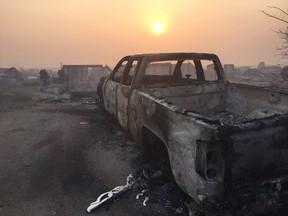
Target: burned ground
57,158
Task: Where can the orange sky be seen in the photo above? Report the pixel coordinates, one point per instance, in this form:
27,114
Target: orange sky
42,33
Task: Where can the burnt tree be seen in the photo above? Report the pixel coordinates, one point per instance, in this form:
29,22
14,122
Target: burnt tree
281,16
44,77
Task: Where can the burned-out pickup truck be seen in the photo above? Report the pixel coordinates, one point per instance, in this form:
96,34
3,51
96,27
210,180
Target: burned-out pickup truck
227,143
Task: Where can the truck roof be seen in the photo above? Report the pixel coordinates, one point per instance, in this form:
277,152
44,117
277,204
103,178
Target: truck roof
176,55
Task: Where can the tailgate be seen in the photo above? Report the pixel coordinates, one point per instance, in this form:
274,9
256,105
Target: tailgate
257,155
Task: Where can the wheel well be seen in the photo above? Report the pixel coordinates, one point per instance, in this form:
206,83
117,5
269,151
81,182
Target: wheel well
155,151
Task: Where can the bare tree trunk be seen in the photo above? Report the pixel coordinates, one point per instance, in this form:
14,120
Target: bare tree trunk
281,16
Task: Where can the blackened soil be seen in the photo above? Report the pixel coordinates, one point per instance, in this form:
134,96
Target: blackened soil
57,158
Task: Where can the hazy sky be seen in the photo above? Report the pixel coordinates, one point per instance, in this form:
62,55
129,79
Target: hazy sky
43,33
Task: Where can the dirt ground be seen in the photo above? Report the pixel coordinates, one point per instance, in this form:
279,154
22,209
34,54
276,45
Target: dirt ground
57,158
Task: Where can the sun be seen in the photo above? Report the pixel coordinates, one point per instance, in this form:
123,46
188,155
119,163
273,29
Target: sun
158,27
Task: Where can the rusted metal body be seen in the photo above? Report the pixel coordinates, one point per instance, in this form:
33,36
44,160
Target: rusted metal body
219,136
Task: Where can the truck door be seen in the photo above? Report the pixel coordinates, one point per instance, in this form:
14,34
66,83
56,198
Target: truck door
111,86
124,90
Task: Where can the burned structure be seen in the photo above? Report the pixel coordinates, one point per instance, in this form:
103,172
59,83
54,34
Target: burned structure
12,75
84,78
219,137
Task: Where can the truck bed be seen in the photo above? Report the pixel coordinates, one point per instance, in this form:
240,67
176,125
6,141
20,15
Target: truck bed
254,124
228,103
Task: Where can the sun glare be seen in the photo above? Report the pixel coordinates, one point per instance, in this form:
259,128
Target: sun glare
158,27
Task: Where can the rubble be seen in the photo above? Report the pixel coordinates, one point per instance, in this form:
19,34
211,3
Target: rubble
111,194
88,100
50,98
151,189
262,75
227,117
144,193
53,93
12,75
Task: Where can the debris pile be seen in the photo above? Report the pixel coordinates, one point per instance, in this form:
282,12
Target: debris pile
49,98
227,117
153,188
88,100
110,195
53,93
158,189
12,76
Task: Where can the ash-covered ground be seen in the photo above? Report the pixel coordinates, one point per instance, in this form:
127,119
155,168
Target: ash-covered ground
56,158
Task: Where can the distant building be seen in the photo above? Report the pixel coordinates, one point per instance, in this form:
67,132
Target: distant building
84,78
159,69
261,75
188,70
12,76
210,73
229,70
